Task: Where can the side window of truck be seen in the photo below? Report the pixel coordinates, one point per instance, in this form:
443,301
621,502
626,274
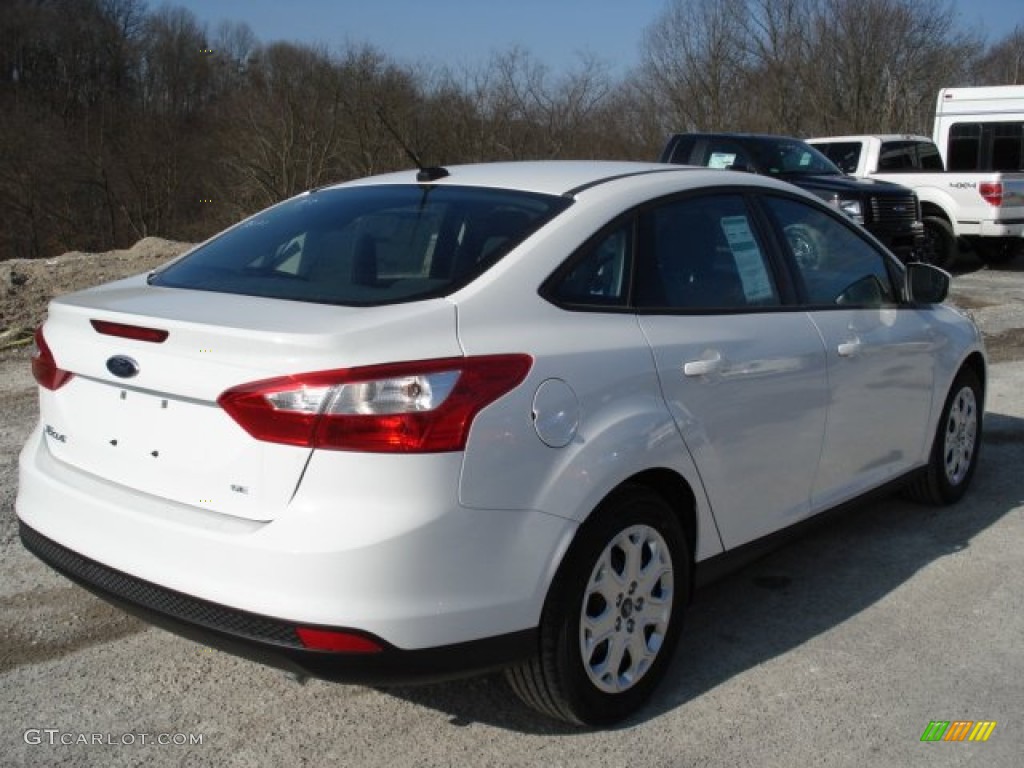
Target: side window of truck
990,146
845,154
896,156
964,150
1006,146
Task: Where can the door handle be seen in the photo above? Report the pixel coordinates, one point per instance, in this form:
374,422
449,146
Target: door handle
850,348
705,366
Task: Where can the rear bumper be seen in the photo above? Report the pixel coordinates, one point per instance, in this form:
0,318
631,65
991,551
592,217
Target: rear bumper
272,641
402,562
1012,228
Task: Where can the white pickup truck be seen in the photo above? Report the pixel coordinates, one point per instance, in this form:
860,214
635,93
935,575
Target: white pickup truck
985,209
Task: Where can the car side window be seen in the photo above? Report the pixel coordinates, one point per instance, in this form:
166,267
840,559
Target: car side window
703,253
600,276
835,264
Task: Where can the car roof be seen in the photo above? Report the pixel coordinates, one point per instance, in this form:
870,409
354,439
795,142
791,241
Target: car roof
553,177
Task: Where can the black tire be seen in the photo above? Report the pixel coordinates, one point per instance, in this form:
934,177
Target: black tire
954,455
940,246
805,243
640,616
996,250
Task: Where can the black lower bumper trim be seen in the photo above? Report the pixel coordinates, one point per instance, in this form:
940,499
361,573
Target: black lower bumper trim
274,641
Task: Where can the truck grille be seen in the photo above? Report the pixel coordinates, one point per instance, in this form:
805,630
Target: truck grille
894,209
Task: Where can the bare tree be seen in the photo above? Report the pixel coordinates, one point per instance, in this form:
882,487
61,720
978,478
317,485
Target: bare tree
881,62
777,52
693,63
1004,62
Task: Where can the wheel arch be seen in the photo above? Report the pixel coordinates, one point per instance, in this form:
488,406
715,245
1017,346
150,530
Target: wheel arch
677,492
674,489
929,208
975,362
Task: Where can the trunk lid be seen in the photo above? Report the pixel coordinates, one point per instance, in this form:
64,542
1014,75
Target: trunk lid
161,431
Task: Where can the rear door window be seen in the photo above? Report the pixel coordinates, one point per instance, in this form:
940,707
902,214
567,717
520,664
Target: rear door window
704,254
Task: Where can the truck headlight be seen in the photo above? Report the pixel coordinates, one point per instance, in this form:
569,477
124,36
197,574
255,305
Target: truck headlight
851,208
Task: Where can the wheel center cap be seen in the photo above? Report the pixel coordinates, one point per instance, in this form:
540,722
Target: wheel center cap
627,608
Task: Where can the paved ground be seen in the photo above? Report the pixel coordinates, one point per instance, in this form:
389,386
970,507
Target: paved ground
836,650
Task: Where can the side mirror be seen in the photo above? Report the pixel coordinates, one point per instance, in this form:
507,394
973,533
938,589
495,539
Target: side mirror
927,284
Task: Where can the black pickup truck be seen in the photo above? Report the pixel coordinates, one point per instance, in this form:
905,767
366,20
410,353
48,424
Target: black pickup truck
890,212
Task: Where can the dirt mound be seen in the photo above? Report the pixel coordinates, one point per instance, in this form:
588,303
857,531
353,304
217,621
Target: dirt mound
27,285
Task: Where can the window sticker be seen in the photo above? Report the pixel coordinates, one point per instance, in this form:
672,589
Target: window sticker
757,285
721,159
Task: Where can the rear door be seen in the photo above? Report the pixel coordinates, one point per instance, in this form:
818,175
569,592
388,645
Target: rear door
743,377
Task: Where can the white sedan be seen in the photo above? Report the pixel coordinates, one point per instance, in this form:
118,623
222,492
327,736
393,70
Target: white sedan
498,416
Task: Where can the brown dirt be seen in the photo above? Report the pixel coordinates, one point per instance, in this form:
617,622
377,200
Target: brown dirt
27,285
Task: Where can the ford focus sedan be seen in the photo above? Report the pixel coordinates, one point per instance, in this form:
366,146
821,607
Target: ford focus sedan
432,423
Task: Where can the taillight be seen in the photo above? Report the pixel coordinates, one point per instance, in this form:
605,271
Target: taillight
44,366
425,406
991,192
137,332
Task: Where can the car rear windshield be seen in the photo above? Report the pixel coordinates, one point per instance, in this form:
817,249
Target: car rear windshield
365,245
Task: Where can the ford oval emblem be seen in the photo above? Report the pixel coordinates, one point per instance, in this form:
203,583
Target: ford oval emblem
122,366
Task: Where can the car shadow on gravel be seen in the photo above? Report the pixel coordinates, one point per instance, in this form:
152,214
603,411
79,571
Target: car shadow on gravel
969,263
832,570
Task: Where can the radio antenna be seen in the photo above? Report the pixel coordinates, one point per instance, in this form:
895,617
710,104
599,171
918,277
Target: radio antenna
426,173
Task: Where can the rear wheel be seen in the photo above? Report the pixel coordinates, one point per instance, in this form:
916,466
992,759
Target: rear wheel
613,615
954,455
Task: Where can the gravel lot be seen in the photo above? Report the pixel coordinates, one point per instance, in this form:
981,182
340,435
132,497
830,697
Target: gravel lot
835,650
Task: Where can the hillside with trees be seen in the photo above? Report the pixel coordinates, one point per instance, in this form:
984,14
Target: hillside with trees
119,122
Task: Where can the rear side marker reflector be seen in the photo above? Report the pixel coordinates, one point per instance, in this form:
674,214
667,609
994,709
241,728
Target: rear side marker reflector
137,332
424,406
339,642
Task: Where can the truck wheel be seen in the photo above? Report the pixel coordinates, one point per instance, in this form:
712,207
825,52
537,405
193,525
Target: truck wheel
806,246
940,248
613,614
996,250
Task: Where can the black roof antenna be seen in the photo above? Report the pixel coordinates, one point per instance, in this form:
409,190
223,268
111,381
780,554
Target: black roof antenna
426,173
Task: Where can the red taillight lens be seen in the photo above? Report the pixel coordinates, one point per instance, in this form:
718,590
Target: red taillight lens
425,406
333,640
137,332
991,192
44,366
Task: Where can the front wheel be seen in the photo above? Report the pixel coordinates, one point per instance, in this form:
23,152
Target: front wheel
613,614
940,248
954,455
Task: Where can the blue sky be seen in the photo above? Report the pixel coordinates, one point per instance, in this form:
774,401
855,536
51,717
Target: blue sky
455,32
